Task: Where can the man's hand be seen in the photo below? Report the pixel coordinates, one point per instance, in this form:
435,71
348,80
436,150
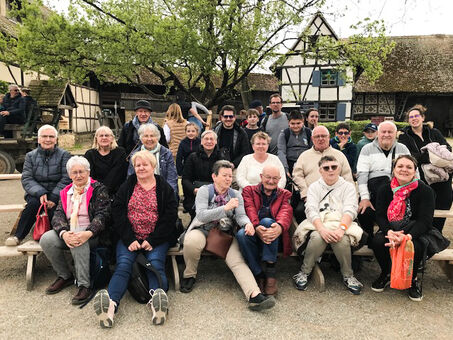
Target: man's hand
232,204
4,113
363,205
50,204
249,230
43,198
274,231
261,232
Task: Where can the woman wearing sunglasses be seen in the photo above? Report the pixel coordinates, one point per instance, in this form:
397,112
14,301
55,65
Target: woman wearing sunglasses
343,142
415,136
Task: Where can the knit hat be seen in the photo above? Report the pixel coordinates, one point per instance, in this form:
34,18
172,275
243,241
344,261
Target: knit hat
143,104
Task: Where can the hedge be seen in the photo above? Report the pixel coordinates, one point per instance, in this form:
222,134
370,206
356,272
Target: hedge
357,127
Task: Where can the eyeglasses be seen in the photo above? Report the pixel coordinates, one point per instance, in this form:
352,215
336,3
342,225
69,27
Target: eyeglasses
343,133
330,167
320,136
16,90
415,116
267,177
80,172
228,116
275,103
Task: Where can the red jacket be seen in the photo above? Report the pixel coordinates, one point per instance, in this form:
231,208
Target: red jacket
281,210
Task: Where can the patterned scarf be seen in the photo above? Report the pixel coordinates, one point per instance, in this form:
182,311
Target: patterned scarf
220,199
397,207
76,199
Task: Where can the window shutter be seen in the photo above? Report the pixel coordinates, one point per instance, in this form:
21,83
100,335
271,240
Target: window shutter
316,81
341,79
341,112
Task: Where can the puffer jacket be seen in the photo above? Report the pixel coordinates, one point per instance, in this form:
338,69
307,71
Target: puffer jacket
15,106
45,173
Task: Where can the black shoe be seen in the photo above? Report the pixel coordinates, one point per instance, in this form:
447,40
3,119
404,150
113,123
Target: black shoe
415,292
187,284
381,282
261,302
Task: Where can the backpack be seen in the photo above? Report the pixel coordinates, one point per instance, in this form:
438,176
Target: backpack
138,282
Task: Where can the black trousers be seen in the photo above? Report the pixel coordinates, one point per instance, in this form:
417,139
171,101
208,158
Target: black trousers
10,120
382,253
367,221
444,199
28,217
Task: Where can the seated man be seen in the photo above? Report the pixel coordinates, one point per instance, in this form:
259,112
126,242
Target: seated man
13,111
331,208
215,202
269,210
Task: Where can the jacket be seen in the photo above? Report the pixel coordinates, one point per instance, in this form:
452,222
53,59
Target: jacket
45,173
198,167
98,201
167,208
281,211
349,150
290,145
421,201
15,106
240,143
186,147
360,144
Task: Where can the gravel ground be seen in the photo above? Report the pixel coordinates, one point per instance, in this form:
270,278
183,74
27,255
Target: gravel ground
217,309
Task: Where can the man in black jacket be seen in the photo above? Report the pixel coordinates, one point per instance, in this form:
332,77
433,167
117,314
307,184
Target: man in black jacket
13,108
129,134
232,139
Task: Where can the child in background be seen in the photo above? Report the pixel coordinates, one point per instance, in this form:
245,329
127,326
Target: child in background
252,127
369,134
188,145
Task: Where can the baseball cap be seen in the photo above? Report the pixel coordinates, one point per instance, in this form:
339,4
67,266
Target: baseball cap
370,126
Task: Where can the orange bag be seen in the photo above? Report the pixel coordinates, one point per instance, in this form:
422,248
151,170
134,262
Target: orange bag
402,264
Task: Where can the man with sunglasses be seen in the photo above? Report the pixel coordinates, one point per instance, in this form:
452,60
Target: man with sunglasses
343,142
231,138
13,108
331,208
306,169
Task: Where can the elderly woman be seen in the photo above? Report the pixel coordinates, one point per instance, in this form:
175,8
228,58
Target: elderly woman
43,176
78,221
215,202
331,208
198,169
107,160
165,167
404,207
144,214
416,136
251,166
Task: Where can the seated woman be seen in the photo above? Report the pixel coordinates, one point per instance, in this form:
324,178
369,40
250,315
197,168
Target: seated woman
78,221
198,169
226,204
331,208
404,207
149,136
251,166
107,160
144,214
43,177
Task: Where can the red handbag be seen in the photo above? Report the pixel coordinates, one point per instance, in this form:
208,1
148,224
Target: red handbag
42,223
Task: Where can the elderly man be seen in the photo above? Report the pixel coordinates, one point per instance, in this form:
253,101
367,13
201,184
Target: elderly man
306,170
13,109
268,208
219,205
129,139
374,168
331,208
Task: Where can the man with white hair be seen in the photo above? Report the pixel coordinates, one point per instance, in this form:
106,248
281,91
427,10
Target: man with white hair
374,168
13,108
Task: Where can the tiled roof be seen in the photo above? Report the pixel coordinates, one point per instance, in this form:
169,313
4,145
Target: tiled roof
48,94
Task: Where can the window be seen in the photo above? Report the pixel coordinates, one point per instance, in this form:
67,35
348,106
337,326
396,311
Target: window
329,78
327,112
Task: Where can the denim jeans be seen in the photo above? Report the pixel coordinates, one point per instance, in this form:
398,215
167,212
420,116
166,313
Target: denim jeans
124,261
256,251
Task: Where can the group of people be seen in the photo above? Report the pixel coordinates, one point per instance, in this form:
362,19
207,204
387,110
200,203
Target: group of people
124,195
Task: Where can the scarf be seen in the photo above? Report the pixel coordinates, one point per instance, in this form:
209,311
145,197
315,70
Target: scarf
397,207
156,153
220,199
76,200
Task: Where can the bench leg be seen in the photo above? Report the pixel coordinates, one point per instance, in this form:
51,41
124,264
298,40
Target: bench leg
318,278
29,276
13,230
175,272
447,268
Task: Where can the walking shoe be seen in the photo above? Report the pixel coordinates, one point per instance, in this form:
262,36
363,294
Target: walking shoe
415,292
261,302
159,306
82,296
301,280
12,241
59,285
187,284
354,286
380,283
271,286
104,308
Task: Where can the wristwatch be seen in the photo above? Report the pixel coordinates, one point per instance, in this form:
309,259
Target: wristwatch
343,227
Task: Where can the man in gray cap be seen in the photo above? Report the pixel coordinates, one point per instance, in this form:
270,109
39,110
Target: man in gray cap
129,134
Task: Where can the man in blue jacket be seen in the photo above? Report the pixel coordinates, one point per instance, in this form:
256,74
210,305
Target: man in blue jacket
13,109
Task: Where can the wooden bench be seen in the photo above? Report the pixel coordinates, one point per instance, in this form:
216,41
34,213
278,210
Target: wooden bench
10,176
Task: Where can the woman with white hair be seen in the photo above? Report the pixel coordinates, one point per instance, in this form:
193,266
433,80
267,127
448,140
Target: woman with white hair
107,160
78,221
43,176
149,136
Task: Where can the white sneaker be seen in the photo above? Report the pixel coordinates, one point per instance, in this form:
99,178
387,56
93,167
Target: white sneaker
159,306
104,308
12,241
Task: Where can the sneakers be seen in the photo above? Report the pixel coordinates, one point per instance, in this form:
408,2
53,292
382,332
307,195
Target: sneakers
380,283
159,306
354,286
415,292
187,284
59,285
104,308
301,280
12,241
261,302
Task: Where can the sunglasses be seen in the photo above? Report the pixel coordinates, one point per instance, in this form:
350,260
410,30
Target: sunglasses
343,133
330,167
228,117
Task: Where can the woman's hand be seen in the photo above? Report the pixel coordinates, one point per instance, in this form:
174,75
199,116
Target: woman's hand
76,239
232,204
395,238
249,230
329,236
146,246
134,246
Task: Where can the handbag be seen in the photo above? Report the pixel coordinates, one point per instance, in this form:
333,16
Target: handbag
42,223
138,282
218,242
402,264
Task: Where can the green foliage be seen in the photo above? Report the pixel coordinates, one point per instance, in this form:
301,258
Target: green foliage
3,86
